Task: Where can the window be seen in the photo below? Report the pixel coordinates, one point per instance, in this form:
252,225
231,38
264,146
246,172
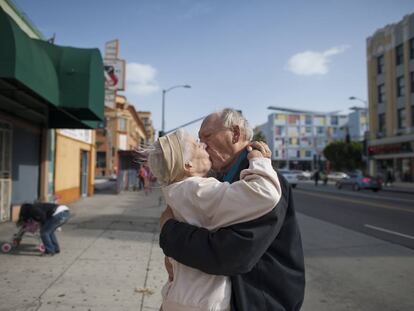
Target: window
399,55
308,120
412,48
308,129
334,120
380,64
401,118
400,86
101,159
308,153
122,124
298,154
381,93
320,129
381,122
412,81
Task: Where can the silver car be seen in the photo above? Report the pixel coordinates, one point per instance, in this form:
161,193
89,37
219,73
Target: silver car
291,177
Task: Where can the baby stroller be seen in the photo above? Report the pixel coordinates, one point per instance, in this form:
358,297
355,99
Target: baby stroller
30,229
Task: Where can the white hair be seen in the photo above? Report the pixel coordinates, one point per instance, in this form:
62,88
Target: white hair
231,117
156,158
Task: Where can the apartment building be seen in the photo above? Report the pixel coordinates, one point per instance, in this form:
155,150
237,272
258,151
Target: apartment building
123,130
390,61
297,137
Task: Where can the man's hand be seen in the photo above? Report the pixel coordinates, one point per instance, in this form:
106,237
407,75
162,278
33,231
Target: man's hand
166,215
258,149
169,268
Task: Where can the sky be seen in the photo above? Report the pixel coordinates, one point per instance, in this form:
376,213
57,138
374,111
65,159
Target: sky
242,54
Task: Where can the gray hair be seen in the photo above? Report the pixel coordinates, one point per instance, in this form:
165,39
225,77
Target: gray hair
231,117
156,157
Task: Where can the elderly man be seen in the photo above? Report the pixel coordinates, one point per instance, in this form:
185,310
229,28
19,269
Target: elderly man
263,257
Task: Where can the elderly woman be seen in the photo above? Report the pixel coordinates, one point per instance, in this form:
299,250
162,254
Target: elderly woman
180,164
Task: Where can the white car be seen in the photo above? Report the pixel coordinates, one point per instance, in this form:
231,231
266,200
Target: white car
290,176
335,176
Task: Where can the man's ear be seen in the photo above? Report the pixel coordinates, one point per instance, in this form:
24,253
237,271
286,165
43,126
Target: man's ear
236,134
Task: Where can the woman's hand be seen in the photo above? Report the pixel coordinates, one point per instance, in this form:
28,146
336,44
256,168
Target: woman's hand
258,149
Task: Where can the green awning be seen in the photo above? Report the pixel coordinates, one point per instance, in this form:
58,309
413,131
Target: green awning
70,80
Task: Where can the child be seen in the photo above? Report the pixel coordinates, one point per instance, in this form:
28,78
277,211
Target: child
180,163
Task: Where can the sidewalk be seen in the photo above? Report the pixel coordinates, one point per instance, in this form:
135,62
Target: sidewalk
110,260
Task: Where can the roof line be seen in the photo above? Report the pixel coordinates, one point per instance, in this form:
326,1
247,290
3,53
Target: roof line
302,111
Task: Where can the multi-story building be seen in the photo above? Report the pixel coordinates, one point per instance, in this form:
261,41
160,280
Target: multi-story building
297,137
123,130
146,117
390,58
357,124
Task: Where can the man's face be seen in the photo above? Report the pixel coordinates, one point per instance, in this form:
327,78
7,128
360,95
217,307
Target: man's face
219,142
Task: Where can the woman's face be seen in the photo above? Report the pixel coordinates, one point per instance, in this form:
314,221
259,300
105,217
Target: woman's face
200,160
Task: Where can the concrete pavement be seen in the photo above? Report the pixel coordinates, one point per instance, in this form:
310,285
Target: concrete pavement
110,260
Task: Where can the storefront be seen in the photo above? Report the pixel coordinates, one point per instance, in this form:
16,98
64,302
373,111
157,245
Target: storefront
42,87
396,157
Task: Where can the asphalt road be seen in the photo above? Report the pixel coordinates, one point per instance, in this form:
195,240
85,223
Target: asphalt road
384,215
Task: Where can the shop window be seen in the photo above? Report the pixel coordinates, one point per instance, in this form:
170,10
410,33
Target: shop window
399,55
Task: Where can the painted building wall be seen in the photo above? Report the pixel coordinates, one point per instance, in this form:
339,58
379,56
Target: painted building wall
68,164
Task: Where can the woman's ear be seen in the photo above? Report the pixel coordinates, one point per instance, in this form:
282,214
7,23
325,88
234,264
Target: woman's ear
188,166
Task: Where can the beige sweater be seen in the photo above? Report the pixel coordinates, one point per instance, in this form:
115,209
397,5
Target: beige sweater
208,203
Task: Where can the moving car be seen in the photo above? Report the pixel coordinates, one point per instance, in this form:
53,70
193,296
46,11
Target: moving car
290,176
358,181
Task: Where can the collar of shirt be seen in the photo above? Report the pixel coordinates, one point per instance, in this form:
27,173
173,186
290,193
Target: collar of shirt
229,176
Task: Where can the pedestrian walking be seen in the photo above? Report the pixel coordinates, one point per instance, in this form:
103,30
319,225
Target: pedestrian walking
316,177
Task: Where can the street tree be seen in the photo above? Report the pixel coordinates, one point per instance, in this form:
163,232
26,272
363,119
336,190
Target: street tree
344,155
259,136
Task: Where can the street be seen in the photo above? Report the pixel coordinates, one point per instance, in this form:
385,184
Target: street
385,215
111,260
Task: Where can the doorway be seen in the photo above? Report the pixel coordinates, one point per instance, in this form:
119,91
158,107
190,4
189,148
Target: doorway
5,170
84,168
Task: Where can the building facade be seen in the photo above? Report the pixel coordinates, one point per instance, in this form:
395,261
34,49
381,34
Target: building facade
390,62
37,96
123,130
149,128
297,138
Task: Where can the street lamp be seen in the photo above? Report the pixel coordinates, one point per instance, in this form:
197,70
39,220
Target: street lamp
163,104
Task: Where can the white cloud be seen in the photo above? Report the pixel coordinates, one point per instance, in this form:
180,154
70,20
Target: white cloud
313,63
140,79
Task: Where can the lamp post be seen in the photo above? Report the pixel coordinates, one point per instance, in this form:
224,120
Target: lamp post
366,133
163,105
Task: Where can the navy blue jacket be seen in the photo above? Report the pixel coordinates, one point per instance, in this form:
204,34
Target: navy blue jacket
263,257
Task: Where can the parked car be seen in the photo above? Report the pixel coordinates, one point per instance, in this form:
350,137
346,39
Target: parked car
335,176
300,175
290,176
358,181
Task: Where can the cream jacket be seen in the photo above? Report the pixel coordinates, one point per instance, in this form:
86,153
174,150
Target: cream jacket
208,203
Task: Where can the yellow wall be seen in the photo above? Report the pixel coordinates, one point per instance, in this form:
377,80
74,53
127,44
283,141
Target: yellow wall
67,167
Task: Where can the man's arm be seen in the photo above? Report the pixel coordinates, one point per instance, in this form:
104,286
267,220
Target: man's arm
227,251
